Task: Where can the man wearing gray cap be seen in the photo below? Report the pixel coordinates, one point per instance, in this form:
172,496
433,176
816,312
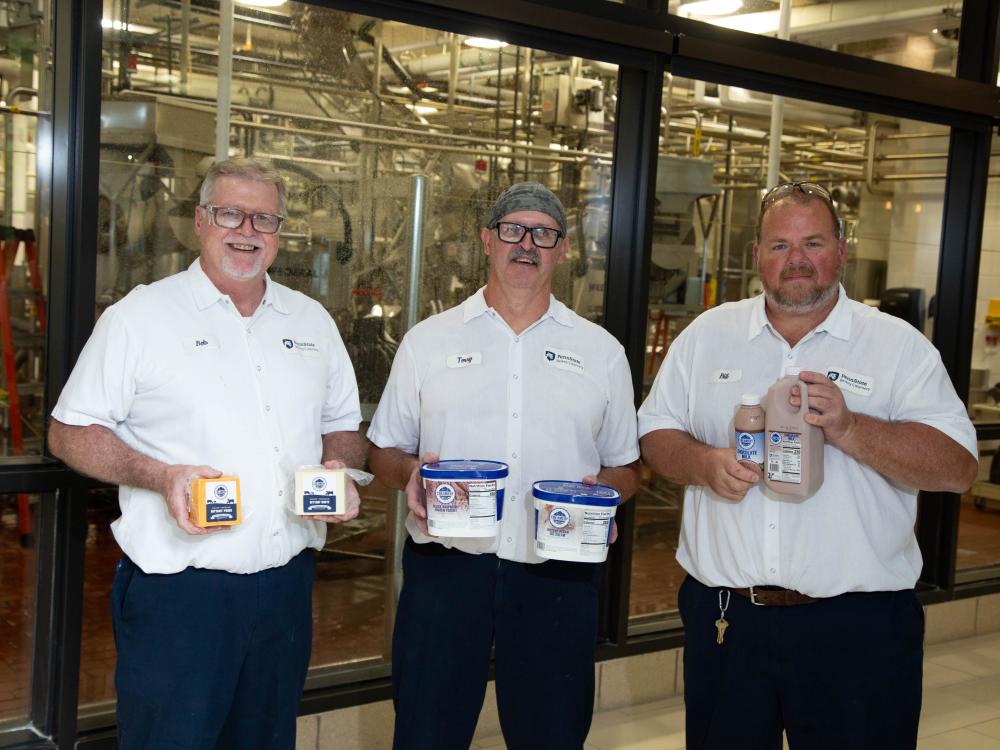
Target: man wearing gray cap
509,375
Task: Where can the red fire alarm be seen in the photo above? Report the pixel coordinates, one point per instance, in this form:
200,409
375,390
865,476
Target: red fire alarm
480,165
133,61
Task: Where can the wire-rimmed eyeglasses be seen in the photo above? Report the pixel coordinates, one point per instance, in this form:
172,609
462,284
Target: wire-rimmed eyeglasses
784,189
543,237
233,218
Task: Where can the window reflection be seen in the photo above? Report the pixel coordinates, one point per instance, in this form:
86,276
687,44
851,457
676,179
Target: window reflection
391,138
887,179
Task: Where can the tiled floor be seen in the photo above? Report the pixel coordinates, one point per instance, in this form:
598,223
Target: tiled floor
961,709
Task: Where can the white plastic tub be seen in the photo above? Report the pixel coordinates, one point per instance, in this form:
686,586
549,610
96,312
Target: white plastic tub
464,498
573,520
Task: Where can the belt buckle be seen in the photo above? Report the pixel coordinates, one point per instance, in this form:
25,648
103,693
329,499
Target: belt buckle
753,598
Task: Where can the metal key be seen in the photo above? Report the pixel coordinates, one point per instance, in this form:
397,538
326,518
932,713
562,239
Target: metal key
721,624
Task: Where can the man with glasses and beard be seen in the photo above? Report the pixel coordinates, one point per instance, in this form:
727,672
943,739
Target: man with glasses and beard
214,370
483,381
800,615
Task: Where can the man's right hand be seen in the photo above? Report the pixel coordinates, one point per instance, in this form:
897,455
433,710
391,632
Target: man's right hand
415,495
174,488
727,477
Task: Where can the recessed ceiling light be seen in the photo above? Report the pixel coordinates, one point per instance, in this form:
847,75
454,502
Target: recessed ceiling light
483,43
702,8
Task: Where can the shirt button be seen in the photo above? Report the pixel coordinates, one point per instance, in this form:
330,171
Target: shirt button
513,455
509,540
259,368
515,376
276,449
773,570
771,526
516,339
280,493
276,533
267,407
789,356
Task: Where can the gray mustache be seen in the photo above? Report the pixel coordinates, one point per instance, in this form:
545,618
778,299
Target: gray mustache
518,254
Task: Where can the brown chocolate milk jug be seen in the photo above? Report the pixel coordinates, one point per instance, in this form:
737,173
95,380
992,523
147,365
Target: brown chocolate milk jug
794,448
749,427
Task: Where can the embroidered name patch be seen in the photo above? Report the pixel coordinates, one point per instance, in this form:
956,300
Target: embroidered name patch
726,376
464,360
564,359
200,343
853,382
307,348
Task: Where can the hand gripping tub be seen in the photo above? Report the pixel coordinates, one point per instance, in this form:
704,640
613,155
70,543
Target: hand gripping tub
573,520
464,498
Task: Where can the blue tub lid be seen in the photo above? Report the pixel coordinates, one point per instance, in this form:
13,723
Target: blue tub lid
464,469
578,493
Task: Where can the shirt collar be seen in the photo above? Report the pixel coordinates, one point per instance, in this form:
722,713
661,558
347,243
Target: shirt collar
837,323
476,305
207,294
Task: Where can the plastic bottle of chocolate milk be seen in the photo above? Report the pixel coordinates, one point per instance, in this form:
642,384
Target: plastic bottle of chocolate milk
749,425
794,447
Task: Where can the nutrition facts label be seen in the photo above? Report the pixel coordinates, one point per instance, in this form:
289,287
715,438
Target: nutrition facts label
482,502
784,457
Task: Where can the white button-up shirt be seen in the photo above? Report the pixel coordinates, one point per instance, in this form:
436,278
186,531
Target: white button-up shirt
553,402
179,375
856,532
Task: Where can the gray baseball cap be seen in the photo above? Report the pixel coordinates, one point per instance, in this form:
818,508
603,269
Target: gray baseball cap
528,196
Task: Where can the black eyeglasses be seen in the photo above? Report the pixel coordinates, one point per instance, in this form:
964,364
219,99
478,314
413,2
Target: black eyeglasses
543,237
784,189
233,218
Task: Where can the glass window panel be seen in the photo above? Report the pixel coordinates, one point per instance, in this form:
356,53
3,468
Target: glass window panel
979,518
18,572
912,33
360,115
887,176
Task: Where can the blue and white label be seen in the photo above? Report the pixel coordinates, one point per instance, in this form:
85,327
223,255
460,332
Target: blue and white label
726,376
564,359
784,457
750,447
559,518
577,533
444,493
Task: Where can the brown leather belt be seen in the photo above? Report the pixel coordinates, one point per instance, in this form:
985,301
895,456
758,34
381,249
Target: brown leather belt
773,596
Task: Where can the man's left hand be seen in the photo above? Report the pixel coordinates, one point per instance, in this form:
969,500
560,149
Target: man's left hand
827,400
592,479
353,498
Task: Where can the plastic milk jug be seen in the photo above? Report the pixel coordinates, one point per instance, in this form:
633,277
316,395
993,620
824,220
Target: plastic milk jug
794,447
749,424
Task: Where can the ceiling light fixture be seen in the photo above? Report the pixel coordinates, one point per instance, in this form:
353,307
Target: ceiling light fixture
261,3
710,8
483,43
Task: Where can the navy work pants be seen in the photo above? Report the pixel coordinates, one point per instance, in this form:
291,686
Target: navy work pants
542,621
842,673
209,659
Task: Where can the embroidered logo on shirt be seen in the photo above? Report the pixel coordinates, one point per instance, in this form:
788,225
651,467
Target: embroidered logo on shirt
464,360
564,359
300,347
726,376
854,382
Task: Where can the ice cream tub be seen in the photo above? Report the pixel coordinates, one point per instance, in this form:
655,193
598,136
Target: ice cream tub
320,491
573,520
464,498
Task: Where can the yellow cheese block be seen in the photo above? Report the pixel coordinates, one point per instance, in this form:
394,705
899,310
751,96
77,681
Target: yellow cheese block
215,502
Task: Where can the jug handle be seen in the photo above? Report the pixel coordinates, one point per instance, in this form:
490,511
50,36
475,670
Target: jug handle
803,398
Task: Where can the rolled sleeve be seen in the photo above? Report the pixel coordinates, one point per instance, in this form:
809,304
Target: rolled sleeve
667,405
102,386
927,396
617,441
342,407
396,423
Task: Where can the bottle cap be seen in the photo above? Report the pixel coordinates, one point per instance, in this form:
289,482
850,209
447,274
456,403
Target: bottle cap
792,372
749,399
